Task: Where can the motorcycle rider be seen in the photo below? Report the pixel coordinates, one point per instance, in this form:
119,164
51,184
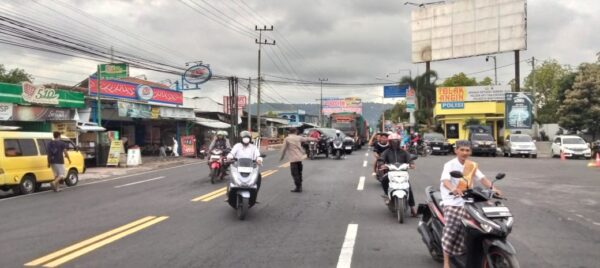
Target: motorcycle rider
338,137
220,142
378,148
451,189
394,155
245,149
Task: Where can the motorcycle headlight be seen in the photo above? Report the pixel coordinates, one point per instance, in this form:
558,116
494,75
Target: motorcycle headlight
485,227
476,145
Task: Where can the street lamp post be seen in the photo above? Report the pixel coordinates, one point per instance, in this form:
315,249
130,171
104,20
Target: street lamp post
321,99
495,68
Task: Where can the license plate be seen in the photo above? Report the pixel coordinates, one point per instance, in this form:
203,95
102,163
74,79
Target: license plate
348,147
496,212
437,148
524,152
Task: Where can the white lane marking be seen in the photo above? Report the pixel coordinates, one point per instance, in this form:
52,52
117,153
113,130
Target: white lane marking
365,163
361,183
99,181
345,258
579,215
138,182
367,154
596,223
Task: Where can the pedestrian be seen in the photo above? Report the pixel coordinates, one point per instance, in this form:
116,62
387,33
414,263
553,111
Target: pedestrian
175,148
56,149
293,152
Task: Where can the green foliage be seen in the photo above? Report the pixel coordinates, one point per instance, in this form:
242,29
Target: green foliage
396,114
459,80
581,108
424,86
14,76
487,81
271,114
471,122
546,82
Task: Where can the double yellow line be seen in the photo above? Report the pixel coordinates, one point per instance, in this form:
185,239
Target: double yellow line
222,191
71,252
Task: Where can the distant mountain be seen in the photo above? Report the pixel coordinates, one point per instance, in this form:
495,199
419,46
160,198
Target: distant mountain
371,111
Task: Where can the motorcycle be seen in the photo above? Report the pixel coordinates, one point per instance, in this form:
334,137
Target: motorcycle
216,162
486,229
398,191
243,187
337,148
317,147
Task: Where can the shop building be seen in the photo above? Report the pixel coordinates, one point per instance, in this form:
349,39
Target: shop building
455,106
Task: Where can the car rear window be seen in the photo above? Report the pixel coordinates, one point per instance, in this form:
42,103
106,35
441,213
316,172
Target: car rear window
573,141
483,137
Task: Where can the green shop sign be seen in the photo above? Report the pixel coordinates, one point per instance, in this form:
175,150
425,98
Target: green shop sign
29,94
114,70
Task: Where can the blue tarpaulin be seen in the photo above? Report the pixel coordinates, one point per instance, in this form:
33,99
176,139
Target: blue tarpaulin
395,91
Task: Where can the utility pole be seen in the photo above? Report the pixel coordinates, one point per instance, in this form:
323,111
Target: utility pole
98,113
517,71
533,92
249,102
495,69
260,42
321,109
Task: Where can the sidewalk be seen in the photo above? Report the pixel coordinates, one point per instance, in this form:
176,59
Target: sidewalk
148,164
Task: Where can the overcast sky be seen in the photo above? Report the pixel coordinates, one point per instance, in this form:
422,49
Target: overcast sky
346,41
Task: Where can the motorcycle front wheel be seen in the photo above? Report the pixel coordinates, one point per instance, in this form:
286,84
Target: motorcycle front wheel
500,259
400,209
242,207
214,173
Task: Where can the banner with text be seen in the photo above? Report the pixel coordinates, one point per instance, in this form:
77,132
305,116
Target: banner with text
188,145
6,111
471,94
518,110
339,105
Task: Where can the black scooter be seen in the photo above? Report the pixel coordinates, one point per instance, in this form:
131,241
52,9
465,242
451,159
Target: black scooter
487,228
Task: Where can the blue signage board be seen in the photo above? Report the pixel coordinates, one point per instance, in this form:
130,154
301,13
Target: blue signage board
395,91
453,105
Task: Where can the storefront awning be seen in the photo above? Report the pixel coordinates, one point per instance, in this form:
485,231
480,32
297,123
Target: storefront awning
211,123
277,120
89,127
4,128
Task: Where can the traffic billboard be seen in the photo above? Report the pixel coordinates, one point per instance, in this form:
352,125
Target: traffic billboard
339,105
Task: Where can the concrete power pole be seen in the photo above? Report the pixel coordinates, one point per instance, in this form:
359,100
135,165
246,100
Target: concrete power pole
321,99
533,92
249,112
260,42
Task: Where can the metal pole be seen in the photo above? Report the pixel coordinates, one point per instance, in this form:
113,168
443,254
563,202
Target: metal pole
535,125
517,72
495,72
249,102
321,117
98,113
383,114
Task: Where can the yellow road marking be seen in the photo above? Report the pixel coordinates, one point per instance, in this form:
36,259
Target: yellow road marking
285,165
219,192
88,242
214,196
268,173
104,242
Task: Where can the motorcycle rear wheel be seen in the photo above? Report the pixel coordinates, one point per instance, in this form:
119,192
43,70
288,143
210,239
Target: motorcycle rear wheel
214,173
501,259
400,209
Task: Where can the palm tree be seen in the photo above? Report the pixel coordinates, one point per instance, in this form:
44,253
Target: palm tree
424,86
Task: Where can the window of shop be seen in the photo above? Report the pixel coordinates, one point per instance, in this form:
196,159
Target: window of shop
452,131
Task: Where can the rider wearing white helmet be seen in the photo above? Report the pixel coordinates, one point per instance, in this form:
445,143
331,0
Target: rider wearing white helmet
394,155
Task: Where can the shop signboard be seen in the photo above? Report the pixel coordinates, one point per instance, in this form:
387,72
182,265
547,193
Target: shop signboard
395,91
68,129
188,145
242,101
177,113
411,99
471,94
339,105
114,70
197,74
39,94
38,113
133,91
134,110
155,113
518,110
114,153
6,111
453,105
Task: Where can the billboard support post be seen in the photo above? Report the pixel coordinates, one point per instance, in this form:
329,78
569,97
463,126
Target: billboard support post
517,72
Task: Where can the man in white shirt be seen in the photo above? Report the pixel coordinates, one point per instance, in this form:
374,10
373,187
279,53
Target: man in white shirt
453,237
245,149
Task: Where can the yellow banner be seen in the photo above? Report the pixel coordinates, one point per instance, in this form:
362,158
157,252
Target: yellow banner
155,112
449,94
67,129
114,154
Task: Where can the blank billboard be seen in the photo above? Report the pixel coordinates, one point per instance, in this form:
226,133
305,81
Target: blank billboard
466,28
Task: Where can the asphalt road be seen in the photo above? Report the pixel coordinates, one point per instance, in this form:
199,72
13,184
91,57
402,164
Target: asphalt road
150,220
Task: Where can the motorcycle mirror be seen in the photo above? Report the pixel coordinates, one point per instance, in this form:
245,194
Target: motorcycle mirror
500,176
456,174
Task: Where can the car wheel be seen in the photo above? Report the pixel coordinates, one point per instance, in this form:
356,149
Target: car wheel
534,156
72,178
26,186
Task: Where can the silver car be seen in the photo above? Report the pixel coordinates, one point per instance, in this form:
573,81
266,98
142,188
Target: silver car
520,144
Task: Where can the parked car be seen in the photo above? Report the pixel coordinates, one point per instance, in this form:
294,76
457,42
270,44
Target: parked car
519,144
24,165
571,146
483,143
438,143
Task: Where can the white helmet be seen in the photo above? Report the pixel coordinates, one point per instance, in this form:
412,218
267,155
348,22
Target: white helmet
337,132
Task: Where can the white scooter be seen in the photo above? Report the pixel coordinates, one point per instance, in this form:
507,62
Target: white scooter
398,191
244,185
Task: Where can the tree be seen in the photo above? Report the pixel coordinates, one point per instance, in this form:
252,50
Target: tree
459,80
424,86
487,81
271,114
396,114
547,85
581,108
14,76
471,122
